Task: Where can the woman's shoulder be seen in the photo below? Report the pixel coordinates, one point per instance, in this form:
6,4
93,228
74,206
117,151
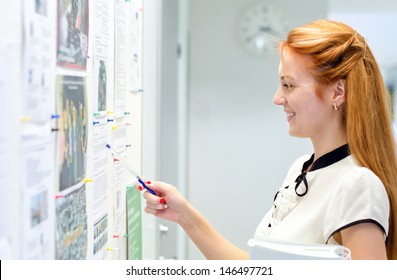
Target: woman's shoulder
358,178
354,171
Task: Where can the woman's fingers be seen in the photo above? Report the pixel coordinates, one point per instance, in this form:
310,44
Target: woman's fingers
150,211
156,205
154,202
153,199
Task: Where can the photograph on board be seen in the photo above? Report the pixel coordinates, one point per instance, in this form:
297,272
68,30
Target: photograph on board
72,136
100,83
41,7
39,208
71,227
72,34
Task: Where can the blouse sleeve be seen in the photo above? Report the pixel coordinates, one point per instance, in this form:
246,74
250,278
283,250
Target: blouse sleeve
359,197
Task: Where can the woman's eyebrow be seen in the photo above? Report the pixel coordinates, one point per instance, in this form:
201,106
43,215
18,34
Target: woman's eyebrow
286,77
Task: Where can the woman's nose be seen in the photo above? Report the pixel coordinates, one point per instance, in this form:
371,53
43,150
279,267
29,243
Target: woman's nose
279,98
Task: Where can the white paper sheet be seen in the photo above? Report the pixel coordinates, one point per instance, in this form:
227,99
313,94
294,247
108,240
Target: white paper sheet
39,59
101,190
135,63
121,56
119,198
102,28
121,179
37,172
101,55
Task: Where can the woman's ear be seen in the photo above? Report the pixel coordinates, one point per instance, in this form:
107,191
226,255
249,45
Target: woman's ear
339,95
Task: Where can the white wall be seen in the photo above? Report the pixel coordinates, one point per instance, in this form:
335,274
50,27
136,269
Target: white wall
239,147
169,144
151,107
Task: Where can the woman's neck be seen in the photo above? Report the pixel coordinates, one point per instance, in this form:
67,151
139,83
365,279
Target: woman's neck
327,145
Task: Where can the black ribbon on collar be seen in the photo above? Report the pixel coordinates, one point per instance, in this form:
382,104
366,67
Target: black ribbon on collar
301,178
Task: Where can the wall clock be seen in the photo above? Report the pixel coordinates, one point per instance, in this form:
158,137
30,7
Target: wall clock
260,28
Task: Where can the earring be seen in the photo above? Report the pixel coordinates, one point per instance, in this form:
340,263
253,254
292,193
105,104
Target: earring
336,108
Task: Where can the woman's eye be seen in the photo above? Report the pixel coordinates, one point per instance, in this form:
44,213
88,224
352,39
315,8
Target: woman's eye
287,86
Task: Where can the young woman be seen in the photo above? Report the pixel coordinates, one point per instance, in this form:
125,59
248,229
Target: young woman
345,193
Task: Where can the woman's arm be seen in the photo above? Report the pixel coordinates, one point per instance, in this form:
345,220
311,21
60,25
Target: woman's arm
366,241
210,242
170,205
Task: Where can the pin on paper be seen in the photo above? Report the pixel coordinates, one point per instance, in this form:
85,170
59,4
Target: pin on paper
112,249
26,118
137,90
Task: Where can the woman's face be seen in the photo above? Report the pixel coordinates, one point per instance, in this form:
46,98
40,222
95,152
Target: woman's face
308,111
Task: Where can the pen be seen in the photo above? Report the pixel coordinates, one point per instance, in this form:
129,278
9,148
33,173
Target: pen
130,169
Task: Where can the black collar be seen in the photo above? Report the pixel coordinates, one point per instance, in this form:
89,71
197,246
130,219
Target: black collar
327,159
323,161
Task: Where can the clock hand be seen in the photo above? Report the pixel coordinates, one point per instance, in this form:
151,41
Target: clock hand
266,29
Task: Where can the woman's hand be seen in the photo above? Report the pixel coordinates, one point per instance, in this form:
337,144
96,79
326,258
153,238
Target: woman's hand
167,204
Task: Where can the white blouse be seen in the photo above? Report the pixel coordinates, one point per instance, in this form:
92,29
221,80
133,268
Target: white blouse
335,194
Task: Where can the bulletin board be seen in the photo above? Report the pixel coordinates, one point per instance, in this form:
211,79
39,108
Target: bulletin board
72,72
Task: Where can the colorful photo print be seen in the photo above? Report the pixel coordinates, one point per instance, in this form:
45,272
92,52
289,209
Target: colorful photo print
101,73
72,33
100,234
71,227
72,132
39,208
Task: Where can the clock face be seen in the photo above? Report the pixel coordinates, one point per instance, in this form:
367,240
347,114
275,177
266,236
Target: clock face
260,29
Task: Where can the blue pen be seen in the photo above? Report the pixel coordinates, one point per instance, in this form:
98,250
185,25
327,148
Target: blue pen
130,169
